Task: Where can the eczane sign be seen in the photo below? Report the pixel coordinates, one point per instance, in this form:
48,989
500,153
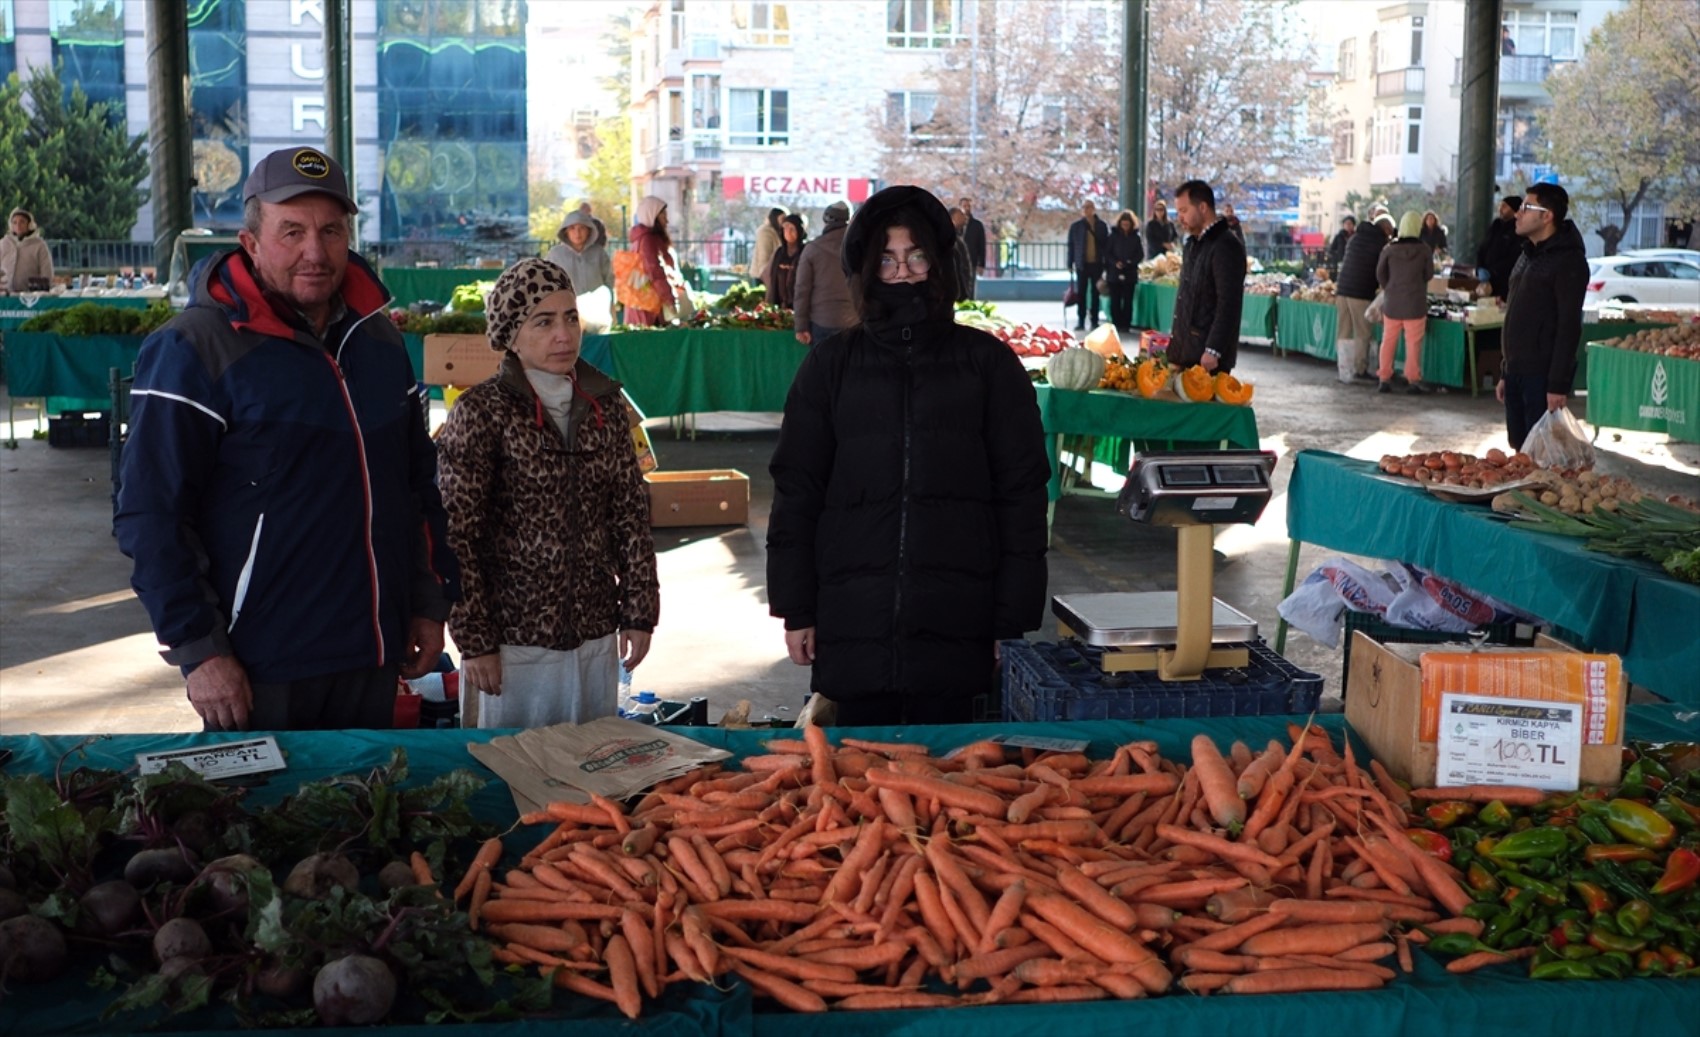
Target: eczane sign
800,188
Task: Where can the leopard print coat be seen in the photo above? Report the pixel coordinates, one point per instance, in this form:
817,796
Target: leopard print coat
552,535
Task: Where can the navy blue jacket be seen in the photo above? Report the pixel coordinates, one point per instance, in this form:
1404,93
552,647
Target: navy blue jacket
279,492
1077,232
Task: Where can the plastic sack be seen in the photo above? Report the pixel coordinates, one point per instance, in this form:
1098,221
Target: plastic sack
1559,440
1430,602
1319,604
1373,312
632,286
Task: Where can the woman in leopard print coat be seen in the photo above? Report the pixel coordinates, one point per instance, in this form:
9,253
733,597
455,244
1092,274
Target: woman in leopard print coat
549,517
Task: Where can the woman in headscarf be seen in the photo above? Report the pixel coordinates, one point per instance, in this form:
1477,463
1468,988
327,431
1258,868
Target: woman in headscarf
781,278
654,250
907,535
1403,270
549,517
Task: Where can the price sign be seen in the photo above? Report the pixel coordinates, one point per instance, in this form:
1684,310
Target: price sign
1494,741
223,760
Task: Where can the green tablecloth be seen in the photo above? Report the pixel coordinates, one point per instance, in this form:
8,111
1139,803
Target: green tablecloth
1257,317
693,370
1170,422
1615,605
1427,1002
1310,328
14,310
1599,333
1154,306
412,284
1644,391
69,371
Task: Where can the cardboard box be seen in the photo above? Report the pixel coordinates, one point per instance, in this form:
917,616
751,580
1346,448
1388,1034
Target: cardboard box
463,360
1393,698
715,497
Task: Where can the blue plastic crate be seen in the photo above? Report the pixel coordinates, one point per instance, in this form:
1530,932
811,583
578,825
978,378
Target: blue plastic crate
1062,681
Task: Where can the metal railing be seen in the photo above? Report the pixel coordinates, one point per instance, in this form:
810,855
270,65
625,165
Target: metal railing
99,256
1399,81
1514,68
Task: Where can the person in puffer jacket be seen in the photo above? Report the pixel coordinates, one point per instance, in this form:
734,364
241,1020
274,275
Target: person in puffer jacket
1354,290
279,489
1543,312
907,536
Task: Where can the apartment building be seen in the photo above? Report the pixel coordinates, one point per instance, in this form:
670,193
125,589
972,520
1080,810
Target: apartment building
1397,73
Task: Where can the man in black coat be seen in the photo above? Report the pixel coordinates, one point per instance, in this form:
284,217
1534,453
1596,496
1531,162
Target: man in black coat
1337,247
974,236
1354,290
1088,238
1206,328
907,535
1499,252
1543,312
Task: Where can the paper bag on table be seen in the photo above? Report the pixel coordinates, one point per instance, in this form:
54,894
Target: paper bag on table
611,756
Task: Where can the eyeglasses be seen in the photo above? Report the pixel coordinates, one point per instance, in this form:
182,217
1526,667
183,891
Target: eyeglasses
918,263
1533,208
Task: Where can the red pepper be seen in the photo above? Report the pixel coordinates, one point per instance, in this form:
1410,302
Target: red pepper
1449,812
1432,843
1594,897
1681,870
1618,852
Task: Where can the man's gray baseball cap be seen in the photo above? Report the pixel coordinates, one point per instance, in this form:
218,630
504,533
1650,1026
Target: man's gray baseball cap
283,175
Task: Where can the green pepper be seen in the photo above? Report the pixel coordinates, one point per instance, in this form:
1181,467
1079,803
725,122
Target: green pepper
1562,969
1482,910
1613,875
1577,951
1432,843
1595,829
1634,783
1481,880
1686,807
1613,964
1541,867
1448,812
1605,941
1569,931
1594,897
1498,928
1618,852
1634,916
1530,843
1636,822
1546,891
1495,815
1681,871
1455,944
1674,814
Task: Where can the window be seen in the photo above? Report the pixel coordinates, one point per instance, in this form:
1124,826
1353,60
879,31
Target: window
762,24
1374,53
8,45
759,118
675,115
1348,61
676,25
1416,43
1345,142
1682,271
1414,131
1386,134
923,23
705,102
1552,33
88,39
913,113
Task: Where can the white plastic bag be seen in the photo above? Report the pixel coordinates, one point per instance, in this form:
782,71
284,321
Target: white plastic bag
1314,608
1372,312
1559,440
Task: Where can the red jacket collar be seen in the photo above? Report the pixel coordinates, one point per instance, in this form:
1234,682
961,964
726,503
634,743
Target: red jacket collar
233,286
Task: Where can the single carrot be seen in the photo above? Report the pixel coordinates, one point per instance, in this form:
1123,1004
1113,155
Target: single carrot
1314,939
585,986
783,911
541,937
480,894
1482,959
1055,995
1256,773
861,958
1100,938
1059,831
1269,802
1203,959
994,963
1236,934
1003,916
1217,784
869,842
895,749
1329,911
1441,886
1369,952
642,943
1221,847
790,967
952,878
1385,896
623,976
1395,792
949,793
787,993
482,861
421,869
1312,978
505,909
896,1000
1127,988
1237,905
640,841
1095,898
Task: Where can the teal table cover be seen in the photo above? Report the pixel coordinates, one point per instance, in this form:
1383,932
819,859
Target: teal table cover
1310,328
1169,424
1257,317
415,284
696,370
1428,1002
70,372
1599,332
1154,306
1629,607
1644,391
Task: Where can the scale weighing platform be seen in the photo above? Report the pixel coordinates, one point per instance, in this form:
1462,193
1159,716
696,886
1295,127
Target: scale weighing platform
1177,633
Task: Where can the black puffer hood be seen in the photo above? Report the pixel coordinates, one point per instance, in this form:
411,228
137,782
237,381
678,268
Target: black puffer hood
877,209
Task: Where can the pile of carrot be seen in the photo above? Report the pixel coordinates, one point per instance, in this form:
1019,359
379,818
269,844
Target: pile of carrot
877,876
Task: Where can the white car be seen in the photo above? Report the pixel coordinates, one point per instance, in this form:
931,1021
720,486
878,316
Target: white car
1640,278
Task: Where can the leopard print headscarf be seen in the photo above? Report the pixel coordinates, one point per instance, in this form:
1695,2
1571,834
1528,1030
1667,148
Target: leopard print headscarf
518,291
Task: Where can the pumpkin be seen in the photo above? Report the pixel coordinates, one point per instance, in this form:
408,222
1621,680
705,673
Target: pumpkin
1195,385
1231,390
1150,377
1104,341
1076,369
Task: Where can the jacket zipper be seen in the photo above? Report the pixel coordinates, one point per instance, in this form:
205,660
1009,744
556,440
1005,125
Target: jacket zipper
247,575
902,519
366,493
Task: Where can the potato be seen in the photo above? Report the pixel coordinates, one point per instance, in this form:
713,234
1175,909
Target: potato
354,991
109,909
181,938
314,877
32,949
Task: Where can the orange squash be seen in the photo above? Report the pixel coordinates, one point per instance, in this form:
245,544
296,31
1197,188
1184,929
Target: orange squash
1195,385
1150,377
1231,390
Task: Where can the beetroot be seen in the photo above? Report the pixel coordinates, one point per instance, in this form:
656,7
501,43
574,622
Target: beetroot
181,938
226,879
149,868
32,949
316,876
109,909
353,991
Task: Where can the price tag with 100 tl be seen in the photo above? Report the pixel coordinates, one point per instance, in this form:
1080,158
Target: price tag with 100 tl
1495,741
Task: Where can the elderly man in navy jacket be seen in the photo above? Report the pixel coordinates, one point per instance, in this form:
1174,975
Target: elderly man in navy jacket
279,486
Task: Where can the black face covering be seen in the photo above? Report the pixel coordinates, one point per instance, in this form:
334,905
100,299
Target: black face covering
901,302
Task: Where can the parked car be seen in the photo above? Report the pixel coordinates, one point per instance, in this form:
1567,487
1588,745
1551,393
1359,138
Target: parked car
1692,255
1637,277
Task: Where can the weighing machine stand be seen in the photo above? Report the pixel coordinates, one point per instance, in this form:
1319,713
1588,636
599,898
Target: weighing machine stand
1175,632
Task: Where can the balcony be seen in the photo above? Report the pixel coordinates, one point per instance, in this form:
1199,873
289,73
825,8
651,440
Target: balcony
1399,82
677,154
1522,77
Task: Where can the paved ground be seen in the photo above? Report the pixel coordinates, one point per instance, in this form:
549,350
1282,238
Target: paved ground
77,655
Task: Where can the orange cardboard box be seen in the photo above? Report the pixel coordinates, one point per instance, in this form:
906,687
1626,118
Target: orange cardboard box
717,497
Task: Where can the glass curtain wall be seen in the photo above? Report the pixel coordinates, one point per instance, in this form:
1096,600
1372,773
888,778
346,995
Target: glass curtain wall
451,118
218,109
8,36
88,43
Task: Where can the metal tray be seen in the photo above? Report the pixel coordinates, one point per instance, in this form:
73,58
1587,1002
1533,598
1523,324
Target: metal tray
1142,619
1475,495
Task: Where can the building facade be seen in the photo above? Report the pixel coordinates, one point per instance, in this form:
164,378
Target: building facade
1397,72
439,99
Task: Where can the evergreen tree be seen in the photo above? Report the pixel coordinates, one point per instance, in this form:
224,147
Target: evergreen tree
69,162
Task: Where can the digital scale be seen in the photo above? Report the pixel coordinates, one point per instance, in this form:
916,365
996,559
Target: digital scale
1176,633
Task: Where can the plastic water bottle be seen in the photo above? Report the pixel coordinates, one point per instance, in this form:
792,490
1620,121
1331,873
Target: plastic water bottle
643,708
625,699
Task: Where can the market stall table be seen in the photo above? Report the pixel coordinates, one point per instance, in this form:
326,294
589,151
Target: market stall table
1103,413
417,284
1448,346
16,309
1257,319
1646,392
1154,305
696,370
1599,332
1628,607
1421,1004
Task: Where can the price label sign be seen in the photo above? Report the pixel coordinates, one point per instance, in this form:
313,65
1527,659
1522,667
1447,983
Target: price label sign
221,760
1493,741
